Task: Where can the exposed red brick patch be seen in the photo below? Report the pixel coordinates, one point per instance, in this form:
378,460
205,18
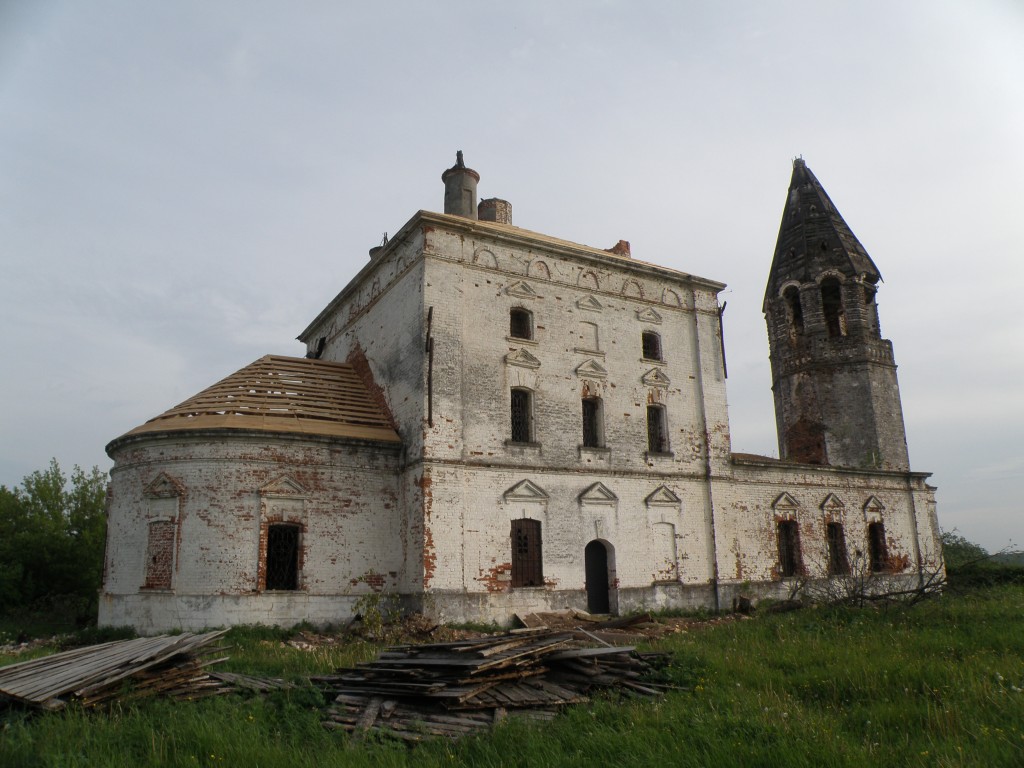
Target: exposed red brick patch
498,578
357,359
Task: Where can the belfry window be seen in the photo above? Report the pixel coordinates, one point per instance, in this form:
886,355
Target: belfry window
838,564
794,311
520,323
522,416
789,548
527,565
832,307
282,556
593,423
657,429
650,343
877,554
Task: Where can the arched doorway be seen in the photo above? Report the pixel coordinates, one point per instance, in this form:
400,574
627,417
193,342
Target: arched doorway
595,558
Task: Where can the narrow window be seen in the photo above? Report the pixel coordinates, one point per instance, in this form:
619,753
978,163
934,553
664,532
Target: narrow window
651,344
789,548
159,555
593,423
657,429
527,566
832,307
795,312
522,416
282,556
520,323
876,547
838,564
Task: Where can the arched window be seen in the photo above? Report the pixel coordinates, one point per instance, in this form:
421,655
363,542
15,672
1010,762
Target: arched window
527,562
650,344
520,323
789,548
838,563
657,429
832,307
593,422
877,553
795,312
522,416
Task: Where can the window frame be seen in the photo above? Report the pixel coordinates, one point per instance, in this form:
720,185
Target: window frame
658,428
835,543
651,341
790,557
524,421
878,550
593,422
525,318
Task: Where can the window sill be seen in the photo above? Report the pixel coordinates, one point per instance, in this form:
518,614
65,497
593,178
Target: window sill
156,590
518,340
653,361
523,447
589,352
587,452
659,455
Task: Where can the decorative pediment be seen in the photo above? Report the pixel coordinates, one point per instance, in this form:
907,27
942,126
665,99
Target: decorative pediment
590,304
873,510
164,487
283,486
648,315
598,493
785,503
522,358
663,496
591,369
525,490
832,503
522,290
656,378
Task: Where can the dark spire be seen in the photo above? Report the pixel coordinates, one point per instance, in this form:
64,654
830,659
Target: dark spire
813,237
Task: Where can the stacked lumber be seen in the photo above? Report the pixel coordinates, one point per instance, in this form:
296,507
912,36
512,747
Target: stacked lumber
122,670
451,689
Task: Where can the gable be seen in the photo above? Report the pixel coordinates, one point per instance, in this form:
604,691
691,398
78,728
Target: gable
522,358
285,485
522,290
592,369
163,486
655,378
598,493
648,315
662,496
525,490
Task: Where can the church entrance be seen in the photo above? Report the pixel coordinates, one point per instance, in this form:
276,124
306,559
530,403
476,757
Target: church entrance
596,566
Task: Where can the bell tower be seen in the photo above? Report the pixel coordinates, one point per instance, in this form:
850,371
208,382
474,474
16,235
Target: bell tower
837,400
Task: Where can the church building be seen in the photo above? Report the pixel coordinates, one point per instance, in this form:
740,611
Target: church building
489,421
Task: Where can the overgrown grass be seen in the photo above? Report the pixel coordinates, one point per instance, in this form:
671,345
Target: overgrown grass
939,685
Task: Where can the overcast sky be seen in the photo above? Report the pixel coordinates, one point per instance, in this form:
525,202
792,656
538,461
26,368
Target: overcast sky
184,185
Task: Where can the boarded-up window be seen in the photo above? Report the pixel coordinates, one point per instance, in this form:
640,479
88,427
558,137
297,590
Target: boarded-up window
789,548
159,555
838,564
527,565
876,547
283,556
651,345
657,429
586,335
520,323
593,428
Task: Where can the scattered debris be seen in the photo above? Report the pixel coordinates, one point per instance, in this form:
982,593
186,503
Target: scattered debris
450,689
168,665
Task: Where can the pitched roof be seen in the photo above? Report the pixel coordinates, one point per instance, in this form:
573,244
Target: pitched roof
813,236
285,395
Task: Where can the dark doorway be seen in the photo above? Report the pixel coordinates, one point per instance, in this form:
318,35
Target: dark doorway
596,565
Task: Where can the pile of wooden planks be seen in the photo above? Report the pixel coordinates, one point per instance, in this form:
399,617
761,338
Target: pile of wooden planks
451,689
169,665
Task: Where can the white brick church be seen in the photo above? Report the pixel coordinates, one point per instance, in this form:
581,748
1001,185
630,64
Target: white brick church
489,420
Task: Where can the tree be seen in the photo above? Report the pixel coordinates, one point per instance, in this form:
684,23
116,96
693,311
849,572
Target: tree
52,535
958,552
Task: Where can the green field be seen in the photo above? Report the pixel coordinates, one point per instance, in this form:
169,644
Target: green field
941,684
